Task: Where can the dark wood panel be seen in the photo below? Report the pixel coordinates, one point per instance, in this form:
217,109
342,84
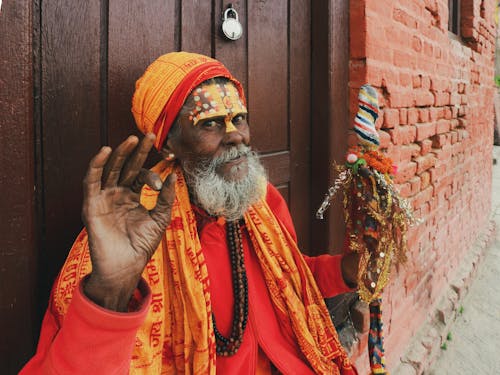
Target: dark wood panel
300,119
196,26
233,53
330,113
285,192
17,232
278,167
71,122
339,106
139,32
268,73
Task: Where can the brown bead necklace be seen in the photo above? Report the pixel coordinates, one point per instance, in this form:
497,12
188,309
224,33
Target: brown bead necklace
229,346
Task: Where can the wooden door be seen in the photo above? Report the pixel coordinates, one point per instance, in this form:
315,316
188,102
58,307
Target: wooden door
70,68
91,53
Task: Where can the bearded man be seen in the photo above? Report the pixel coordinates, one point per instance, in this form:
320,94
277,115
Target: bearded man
191,267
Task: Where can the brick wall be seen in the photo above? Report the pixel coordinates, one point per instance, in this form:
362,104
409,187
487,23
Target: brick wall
436,92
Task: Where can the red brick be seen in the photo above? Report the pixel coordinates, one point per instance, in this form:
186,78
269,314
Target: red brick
447,113
454,137
462,122
385,139
425,146
438,84
423,115
412,116
391,118
401,16
433,114
439,140
401,98
379,122
443,126
441,99
405,80
407,152
403,135
428,49
454,123
405,172
416,43
417,81
403,116
357,73
403,59
425,162
405,190
415,185
425,178
424,98
426,82
422,197
425,130
455,98
443,153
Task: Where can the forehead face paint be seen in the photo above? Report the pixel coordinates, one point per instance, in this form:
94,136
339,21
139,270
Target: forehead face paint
216,100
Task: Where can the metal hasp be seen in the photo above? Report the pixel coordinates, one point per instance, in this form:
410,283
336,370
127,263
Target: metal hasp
231,26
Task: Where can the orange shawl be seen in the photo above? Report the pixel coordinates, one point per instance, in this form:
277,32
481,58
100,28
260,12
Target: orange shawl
177,336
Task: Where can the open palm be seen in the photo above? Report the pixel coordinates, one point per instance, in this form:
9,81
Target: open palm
123,234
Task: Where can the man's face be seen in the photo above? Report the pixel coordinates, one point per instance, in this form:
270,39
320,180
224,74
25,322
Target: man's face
223,175
213,120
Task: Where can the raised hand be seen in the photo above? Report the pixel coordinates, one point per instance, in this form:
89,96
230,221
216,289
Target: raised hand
123,234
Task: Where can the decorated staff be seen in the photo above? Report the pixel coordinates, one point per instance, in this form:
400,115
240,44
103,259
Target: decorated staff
376,216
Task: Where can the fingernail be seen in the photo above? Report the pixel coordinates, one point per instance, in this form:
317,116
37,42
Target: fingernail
158,185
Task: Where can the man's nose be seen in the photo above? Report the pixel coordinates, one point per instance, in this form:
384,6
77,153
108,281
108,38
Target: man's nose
233,136
230,126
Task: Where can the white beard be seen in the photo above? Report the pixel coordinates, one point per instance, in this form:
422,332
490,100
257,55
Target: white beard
220,197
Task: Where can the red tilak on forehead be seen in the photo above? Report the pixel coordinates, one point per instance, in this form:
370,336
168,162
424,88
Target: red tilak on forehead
215,100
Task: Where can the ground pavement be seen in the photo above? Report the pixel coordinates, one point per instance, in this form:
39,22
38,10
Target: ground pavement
474,345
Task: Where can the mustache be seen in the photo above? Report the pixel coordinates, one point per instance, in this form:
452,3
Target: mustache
232,153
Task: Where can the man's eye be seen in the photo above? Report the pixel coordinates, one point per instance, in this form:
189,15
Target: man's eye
239,118
210,124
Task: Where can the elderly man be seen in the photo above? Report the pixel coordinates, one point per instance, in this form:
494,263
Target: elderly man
191,267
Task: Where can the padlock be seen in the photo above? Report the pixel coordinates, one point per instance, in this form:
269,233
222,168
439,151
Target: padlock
231,26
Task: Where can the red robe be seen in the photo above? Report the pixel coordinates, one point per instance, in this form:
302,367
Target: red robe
93,340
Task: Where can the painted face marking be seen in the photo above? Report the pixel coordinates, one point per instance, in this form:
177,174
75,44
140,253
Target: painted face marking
217,101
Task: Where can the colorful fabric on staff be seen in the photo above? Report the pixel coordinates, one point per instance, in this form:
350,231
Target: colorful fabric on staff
181,325
162,90
376,339
364,122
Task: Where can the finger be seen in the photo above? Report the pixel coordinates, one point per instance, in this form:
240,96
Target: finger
161,213
114,166
146,177
92,180
136,161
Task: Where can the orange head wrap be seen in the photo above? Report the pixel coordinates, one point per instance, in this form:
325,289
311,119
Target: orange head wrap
162,90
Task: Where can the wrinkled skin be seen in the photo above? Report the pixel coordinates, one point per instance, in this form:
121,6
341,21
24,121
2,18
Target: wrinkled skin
123,235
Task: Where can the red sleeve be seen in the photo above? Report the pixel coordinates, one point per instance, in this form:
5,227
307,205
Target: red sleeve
327,272
89,340
326,269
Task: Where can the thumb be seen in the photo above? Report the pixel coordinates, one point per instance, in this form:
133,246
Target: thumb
161,212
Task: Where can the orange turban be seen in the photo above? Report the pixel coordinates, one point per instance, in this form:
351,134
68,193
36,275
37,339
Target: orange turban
162,90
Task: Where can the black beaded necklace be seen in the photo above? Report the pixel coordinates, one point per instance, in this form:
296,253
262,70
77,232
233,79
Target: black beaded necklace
229,346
